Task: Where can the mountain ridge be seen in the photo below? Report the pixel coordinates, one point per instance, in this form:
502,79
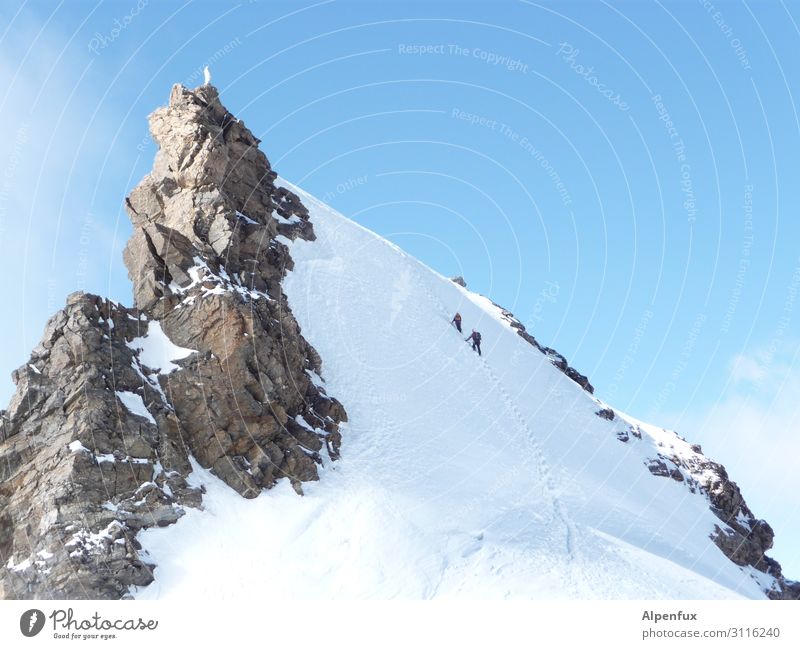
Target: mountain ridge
124,418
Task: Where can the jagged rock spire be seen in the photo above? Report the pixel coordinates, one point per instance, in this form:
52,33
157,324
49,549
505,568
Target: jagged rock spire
210,365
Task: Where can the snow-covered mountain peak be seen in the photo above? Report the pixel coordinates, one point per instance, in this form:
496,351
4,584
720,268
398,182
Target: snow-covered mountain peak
290,411
497,475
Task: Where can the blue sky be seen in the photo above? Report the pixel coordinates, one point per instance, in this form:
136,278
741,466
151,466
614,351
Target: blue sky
619,175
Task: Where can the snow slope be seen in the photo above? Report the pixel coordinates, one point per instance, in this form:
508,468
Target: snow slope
460,476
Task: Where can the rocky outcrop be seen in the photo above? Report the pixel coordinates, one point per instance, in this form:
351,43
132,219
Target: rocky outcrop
80,472
606,413
210,367
206,259
555,358
742,537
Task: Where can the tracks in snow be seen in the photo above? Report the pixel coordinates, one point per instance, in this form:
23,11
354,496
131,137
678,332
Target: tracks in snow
558,513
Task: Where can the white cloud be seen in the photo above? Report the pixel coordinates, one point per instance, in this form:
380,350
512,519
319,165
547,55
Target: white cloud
749,368
753,428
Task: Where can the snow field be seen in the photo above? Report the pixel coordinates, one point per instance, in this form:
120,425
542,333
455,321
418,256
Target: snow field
460,475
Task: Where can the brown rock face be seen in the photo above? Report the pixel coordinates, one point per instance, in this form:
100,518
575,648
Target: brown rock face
206,262
80,473
742,537
555,358
97,441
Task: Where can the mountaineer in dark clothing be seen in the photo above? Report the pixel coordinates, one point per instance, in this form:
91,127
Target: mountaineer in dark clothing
475,337
457,322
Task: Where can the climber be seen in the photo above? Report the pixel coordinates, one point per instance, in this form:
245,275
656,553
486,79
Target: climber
457,321
475,337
